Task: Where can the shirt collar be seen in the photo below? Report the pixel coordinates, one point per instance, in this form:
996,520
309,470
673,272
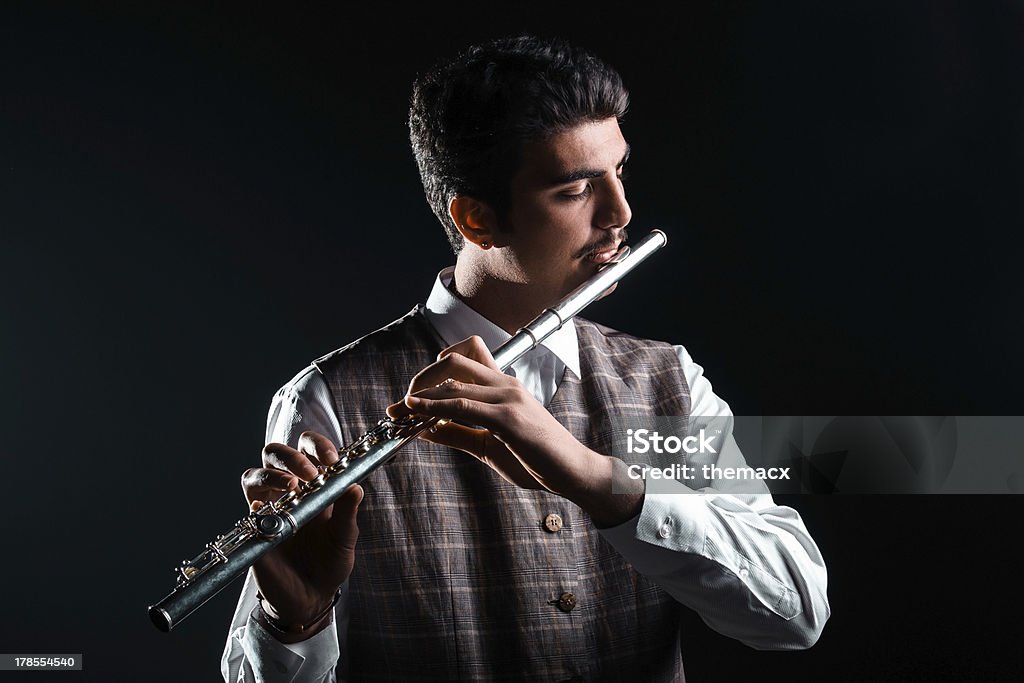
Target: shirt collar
454,320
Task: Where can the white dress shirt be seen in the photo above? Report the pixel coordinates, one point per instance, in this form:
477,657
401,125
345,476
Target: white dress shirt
746,565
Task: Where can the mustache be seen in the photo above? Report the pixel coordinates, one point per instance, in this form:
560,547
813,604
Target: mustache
604,244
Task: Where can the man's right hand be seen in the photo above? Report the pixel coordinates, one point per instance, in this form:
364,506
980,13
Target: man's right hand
300,577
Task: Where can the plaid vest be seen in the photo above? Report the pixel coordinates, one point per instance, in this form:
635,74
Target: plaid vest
456,575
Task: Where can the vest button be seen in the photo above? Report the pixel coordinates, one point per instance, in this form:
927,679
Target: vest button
566,602
553,523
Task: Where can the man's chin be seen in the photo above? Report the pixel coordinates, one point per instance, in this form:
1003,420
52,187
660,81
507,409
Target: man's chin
607,291
581,275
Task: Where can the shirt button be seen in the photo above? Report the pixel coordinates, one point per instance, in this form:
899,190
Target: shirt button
553,523
744,572
665,531
566,601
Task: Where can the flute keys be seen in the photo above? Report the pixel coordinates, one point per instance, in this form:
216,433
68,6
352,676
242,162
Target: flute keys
270,526
315,483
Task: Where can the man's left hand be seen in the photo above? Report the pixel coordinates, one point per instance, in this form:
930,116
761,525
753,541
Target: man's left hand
513,434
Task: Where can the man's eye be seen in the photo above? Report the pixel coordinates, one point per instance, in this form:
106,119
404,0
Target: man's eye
582,194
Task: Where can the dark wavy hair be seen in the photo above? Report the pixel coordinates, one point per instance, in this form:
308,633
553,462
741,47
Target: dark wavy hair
470,115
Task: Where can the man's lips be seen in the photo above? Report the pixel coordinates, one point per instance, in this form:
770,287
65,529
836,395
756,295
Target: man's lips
605,251
603,256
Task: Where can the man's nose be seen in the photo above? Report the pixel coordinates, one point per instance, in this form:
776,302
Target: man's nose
614,211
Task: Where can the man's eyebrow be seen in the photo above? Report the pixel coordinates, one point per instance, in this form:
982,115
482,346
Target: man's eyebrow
585,173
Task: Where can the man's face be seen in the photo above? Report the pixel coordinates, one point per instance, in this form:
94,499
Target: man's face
568,209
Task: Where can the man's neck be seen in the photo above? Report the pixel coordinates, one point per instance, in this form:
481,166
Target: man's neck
509,305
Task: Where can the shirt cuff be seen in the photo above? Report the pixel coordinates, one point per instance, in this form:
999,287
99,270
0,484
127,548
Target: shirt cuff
275,662
669,542
673,522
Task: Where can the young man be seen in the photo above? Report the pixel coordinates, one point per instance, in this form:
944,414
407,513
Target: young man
520,562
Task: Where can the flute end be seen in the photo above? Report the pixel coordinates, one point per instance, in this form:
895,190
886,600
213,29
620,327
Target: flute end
161,619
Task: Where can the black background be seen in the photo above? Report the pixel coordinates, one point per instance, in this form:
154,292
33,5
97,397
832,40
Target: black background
195,203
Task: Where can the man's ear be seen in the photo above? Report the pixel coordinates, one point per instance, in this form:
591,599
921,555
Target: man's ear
475,219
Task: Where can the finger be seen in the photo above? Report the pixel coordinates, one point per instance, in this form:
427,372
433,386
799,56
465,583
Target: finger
462,409
460,367
454,366
318,448
473,348
264,484
482,445
344,530
452,388
280,456
460,437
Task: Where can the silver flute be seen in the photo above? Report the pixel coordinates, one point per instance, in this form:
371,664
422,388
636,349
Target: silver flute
231,554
